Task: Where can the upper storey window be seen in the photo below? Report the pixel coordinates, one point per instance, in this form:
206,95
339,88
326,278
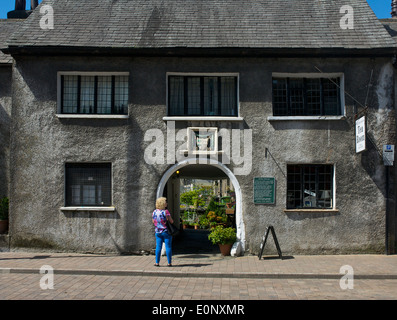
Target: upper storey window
307,96
87,93
212,95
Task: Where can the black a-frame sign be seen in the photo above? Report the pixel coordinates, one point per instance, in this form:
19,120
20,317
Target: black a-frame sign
264,239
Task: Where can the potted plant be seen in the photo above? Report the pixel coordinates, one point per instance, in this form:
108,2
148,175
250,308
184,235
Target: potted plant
224,237
217,217
203,222
191,224
185,219
4,203
185,224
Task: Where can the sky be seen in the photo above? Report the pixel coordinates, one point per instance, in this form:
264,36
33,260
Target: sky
381,8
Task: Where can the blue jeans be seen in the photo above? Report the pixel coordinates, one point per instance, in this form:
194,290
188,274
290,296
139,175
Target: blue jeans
167,239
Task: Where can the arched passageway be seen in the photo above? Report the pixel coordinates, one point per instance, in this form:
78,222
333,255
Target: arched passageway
213,167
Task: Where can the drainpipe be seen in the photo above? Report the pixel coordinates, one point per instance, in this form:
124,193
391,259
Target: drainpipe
387,249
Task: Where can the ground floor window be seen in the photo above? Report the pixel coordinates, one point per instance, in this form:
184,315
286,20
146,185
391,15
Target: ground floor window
88,184
309,186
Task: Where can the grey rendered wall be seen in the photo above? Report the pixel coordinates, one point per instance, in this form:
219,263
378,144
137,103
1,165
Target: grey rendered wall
42,143
5,124
358,225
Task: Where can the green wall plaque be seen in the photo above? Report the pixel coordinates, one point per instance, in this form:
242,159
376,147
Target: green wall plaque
264,190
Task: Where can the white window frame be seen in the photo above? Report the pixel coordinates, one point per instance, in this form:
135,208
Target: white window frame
61,115
339,75
324,210
204,118
88,208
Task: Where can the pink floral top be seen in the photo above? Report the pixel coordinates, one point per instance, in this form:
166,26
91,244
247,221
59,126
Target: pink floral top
159,220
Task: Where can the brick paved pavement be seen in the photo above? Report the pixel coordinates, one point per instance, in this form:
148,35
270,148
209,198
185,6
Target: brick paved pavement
196,277
99,287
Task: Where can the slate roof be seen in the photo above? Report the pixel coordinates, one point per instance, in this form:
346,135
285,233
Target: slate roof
7,27
5,58
270,24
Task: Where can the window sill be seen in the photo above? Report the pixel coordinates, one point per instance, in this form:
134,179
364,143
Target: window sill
102,209
92,116
207,118
289,118
312,210
200,153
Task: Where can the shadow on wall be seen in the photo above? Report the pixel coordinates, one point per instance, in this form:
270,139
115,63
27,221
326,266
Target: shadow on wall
371,161
99,223
5,123
140,190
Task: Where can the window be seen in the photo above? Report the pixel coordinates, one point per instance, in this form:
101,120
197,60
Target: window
88,185
94,94
202,96
309,186
306,96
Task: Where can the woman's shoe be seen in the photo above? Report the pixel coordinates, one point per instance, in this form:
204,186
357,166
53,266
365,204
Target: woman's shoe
170,265
156,265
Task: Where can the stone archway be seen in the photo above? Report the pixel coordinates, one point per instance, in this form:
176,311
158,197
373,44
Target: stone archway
239,246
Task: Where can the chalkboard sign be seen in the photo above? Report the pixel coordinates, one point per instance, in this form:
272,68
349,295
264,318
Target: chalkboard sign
264,190
264,239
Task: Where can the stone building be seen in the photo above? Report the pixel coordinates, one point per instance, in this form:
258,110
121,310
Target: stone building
111,98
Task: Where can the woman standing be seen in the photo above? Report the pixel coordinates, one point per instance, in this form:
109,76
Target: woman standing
159,216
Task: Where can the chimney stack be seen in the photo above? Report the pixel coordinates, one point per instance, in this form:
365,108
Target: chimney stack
20,5
394,9
20,11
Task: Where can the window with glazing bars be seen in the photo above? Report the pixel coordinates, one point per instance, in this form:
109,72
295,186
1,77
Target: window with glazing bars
88,184
202,96
306,97
309,186
82,94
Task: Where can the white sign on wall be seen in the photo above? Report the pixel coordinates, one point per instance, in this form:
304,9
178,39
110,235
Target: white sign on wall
360,135
388,154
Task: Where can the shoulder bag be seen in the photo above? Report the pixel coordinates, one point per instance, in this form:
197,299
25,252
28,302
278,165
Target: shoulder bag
171,228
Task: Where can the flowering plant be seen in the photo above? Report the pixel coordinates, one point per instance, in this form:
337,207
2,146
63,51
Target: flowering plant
222,235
